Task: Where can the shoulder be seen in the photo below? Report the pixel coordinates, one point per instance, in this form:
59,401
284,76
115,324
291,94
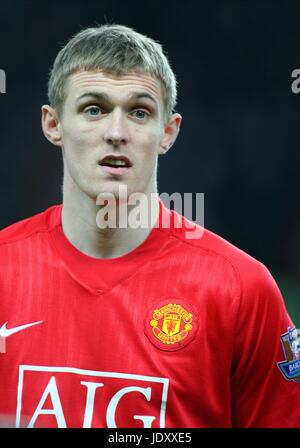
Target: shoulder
28,227
221,255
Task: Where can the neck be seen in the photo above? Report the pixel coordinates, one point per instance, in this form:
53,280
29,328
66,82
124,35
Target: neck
80,222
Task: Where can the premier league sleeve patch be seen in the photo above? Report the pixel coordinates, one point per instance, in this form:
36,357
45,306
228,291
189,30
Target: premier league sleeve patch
171,325
290,368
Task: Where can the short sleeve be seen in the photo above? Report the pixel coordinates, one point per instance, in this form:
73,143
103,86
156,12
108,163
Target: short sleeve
261,394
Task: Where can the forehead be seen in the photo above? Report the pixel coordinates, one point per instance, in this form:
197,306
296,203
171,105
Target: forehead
115,86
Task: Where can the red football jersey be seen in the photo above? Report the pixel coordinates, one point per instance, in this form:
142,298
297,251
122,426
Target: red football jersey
179,332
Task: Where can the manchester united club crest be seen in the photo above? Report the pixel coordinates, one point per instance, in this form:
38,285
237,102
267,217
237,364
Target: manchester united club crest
171,325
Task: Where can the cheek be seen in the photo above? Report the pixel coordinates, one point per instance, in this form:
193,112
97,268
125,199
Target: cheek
149,143
76,143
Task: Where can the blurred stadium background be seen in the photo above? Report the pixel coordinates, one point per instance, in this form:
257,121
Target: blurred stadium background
239,142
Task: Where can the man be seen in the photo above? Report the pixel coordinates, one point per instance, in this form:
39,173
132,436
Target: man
125,325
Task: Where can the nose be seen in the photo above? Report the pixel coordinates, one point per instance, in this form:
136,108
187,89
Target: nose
116,132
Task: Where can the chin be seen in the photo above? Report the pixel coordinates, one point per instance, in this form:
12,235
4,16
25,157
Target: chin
118,190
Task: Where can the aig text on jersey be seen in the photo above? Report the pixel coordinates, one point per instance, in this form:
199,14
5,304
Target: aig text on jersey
2,81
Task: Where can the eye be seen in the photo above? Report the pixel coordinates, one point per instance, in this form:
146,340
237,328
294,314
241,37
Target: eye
93,111
141,114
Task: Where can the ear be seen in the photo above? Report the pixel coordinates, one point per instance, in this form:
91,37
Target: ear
51,125
171,130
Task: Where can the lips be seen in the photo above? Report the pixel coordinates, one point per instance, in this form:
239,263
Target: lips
115,164
113,160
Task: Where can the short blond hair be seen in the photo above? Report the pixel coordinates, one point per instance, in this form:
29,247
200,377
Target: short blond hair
113,49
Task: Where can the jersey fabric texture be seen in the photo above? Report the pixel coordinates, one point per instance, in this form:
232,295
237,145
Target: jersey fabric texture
177,333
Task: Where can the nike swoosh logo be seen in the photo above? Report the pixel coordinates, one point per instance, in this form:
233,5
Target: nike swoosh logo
5,332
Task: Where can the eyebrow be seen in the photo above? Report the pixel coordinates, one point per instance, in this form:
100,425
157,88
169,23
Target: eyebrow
101,96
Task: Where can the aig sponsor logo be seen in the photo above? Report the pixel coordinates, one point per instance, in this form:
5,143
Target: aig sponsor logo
68,397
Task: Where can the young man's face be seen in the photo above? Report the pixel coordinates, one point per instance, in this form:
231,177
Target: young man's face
111,131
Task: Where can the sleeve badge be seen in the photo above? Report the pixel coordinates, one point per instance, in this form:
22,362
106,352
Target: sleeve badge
290,368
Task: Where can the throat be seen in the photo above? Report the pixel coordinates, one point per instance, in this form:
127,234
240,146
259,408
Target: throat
102,242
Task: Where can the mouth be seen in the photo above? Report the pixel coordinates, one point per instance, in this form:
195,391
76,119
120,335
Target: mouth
115,164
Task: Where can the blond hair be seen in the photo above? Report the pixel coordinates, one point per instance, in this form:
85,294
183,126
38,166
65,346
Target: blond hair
113,49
